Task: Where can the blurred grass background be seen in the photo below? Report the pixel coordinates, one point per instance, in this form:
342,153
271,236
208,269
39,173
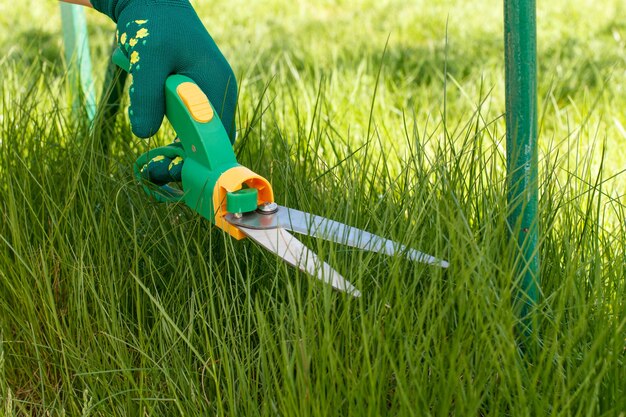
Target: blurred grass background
111,304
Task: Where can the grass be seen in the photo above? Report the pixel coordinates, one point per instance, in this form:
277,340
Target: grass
113,304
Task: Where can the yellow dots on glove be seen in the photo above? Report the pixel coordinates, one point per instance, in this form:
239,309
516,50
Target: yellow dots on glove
123,38
134,57
176,161
142,33
141,22
132,42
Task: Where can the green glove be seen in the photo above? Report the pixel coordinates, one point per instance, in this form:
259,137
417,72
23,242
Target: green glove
164,37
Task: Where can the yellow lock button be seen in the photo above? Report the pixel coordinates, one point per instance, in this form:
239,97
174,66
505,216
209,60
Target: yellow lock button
196,102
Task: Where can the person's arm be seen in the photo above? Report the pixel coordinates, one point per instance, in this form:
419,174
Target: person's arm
81,2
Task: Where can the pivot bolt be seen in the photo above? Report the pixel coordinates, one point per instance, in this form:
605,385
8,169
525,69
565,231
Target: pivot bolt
268,208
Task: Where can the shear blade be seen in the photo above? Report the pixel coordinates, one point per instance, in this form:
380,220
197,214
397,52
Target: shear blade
334,231
312,225
292,251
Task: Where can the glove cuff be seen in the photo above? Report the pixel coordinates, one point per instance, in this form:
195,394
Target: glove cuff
111,8
114,8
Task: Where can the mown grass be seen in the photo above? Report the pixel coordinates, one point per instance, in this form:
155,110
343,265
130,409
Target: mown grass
113,304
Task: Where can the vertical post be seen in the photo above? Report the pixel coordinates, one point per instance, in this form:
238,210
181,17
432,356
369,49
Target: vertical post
76,42
520,35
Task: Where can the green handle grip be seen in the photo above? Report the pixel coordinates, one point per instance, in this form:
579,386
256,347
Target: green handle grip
206,147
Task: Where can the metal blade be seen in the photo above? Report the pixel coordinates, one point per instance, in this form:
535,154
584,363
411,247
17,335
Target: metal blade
292,251
312,225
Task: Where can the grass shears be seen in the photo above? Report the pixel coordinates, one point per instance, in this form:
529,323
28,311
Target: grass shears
234,198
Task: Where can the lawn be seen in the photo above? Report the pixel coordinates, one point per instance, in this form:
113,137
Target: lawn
388,116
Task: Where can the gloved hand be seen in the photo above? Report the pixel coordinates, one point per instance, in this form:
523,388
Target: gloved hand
164,37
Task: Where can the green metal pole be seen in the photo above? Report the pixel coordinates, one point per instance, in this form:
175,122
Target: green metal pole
76,42
520,35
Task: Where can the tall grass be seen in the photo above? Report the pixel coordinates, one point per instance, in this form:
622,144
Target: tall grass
113,304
